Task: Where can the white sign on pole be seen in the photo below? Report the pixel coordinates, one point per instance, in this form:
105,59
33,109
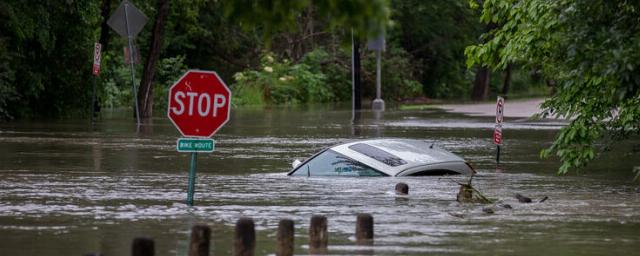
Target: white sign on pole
497,132
500,110
497,135
96,58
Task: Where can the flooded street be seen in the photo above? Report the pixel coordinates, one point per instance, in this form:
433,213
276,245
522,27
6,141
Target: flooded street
67,188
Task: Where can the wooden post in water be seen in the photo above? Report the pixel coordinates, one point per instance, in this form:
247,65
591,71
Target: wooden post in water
142,246
364,229
200,236
285,238
402,189
244,242
318,236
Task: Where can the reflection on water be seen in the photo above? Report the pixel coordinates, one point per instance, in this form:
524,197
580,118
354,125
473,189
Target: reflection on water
69,189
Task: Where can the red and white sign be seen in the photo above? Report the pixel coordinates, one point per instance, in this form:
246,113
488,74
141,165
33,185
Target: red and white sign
497,135
499,110
199,103
96,58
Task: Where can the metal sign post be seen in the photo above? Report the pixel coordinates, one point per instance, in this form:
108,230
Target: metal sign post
128,21
133,72
193,145
356,93
497,139
191,189
96,71
497,132
377,44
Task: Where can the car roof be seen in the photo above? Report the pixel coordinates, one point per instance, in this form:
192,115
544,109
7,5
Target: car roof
393,156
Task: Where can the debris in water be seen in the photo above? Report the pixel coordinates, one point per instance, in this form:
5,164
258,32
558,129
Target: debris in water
465,194
544,199
468,194
523,199
457,215
488,210
402,189
506,206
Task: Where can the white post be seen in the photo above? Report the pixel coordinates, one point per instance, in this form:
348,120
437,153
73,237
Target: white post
378,103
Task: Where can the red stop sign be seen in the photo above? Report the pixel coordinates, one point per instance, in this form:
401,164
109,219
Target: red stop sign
199,103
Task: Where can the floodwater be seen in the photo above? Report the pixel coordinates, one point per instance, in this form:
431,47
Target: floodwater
69,188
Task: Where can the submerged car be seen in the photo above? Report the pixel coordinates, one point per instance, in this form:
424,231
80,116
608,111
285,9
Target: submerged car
382,157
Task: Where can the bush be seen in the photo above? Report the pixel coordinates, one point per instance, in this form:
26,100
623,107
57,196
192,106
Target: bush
8,93
169,70
321,77
281,82
338,77
115,90
398,75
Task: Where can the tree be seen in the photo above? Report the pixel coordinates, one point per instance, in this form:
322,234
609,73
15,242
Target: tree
589,49
145,91
435,33
367,18
45,51
506,82
480,89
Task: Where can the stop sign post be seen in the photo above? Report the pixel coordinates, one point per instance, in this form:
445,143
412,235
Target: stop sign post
199,105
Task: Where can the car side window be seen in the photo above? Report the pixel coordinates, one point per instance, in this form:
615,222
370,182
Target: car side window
331,163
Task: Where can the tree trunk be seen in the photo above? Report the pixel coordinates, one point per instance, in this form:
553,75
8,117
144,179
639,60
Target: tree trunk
551,84
104,27
481,84
480,89
507,81
145,92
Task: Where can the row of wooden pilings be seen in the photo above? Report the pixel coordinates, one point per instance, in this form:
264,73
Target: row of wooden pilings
244,242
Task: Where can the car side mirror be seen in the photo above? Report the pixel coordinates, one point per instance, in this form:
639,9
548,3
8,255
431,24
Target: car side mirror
296,163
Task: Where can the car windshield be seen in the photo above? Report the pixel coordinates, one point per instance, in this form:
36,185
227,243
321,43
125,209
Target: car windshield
378,154
331,163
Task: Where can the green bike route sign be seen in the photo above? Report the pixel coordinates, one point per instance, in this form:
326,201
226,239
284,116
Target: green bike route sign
195,145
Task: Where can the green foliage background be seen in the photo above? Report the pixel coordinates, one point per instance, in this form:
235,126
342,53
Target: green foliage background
298,52
46,50
589,49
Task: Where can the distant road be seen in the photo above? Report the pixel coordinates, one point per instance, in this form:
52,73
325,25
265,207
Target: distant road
512,108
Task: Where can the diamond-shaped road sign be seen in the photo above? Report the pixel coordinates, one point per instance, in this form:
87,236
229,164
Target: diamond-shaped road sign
134,17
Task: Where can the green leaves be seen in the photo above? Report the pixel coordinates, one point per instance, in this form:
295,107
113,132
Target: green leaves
45,46
281,82
589,49
367,18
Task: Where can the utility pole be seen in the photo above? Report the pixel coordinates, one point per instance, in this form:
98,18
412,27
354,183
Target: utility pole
356,96
377,44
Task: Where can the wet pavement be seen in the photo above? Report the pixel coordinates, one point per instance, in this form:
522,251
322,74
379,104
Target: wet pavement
523,108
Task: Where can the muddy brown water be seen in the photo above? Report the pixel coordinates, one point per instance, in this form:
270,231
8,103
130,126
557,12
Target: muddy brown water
69,188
